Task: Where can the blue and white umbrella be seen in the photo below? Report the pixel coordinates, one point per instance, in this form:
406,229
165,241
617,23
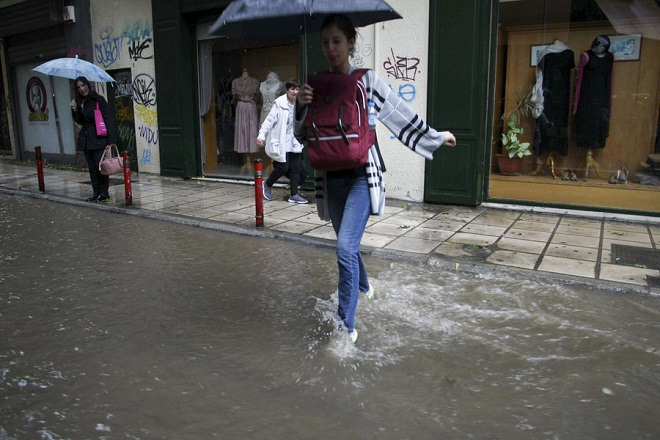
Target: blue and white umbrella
72,68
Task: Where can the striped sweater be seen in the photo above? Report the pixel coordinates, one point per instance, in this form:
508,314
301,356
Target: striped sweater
402,121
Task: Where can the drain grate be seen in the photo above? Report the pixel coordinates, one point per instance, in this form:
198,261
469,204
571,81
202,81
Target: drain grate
652,281
636,256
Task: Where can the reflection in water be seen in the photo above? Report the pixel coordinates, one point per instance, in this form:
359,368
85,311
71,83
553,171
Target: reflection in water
122,327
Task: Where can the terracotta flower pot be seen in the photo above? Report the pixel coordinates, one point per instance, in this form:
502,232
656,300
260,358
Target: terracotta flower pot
509,166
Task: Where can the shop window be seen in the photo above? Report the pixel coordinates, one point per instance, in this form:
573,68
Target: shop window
240,86
577,81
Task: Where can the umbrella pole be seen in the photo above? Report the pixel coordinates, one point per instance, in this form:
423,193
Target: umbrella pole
57,118
304,51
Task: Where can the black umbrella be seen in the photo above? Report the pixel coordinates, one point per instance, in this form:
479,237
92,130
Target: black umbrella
265,18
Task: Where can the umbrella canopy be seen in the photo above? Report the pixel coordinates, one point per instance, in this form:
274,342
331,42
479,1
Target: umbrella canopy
72,68
266,18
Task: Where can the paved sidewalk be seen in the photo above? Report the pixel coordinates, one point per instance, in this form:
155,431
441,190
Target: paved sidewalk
577,246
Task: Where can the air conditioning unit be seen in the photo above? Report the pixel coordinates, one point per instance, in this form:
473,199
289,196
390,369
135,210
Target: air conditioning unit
69,14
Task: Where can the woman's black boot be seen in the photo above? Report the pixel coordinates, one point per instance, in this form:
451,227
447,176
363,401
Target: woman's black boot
94,177
104,187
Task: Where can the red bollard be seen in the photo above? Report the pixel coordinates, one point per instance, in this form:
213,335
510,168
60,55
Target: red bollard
259,193
127,179
40,169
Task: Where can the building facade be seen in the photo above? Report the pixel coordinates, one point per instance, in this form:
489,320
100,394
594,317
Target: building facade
592,127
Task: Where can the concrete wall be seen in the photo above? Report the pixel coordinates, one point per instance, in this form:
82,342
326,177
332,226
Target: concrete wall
122,38
401,58
122,33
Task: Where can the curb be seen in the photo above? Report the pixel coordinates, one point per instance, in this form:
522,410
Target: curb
463,266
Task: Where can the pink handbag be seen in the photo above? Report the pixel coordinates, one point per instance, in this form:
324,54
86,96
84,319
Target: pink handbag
111,165
100,123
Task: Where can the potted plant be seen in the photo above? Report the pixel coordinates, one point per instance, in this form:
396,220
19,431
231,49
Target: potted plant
513,150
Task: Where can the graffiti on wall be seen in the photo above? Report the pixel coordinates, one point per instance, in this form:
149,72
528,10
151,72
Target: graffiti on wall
144,96
136,37
407,92
124,84
76,51
124,117
363,49
144,90
108,50
401,67
405,70
135,95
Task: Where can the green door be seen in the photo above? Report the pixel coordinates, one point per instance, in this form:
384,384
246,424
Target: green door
460,86
315,63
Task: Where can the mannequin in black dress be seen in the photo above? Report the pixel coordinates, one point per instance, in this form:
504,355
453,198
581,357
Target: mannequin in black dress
551,98
593,99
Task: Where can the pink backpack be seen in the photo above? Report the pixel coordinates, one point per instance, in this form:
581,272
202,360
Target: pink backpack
337,126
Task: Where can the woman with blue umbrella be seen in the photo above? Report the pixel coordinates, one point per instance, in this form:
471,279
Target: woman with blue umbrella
89,141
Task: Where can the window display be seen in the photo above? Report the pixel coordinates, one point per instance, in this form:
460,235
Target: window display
244,90
271,88
244,81
594,120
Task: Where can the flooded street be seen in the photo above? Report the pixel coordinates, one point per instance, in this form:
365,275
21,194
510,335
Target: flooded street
114,326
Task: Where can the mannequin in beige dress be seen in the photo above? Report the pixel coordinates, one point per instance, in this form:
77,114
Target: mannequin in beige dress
244,90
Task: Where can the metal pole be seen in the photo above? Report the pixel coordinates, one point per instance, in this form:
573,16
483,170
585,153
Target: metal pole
127,180
259,193
57,117
304,45
40,169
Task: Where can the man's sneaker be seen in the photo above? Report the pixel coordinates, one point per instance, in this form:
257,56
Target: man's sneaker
369,293
268,195
296,198
353,336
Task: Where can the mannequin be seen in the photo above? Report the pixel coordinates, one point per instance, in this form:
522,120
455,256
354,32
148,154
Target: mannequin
551,99
270,89
244,90
593,99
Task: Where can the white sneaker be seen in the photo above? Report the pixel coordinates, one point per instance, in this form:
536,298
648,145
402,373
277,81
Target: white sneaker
369,293
353,335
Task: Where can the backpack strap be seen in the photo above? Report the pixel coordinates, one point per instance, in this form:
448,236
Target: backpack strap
360,71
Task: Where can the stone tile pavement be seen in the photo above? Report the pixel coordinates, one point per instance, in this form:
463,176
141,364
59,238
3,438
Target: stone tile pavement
570,245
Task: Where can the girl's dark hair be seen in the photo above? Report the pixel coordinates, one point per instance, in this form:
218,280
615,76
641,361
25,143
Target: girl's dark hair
344,24
82,79
291,83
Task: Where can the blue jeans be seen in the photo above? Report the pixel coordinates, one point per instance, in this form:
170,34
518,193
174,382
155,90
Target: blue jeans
349,207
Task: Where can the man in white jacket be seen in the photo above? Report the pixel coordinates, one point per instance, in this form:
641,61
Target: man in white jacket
282,145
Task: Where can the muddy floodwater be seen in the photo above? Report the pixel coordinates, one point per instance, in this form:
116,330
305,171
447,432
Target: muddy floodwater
119,327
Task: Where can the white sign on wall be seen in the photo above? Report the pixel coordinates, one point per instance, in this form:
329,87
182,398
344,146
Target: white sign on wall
40,109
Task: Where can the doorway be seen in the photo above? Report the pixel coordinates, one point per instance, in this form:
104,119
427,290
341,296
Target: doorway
222,63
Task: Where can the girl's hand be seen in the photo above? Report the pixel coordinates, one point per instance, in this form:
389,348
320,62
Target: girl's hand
73,104
305,94
260,143
450,139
